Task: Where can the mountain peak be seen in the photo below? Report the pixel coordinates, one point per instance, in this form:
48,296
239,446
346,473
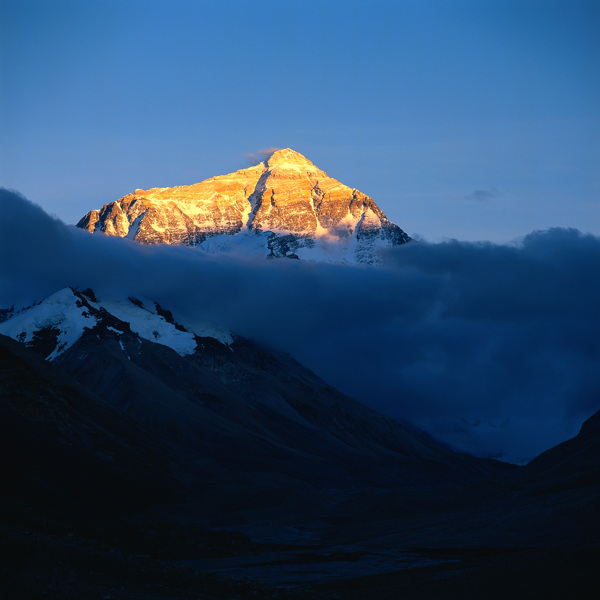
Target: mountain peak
300,211
287,157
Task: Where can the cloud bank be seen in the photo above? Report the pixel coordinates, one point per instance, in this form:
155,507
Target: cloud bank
492,349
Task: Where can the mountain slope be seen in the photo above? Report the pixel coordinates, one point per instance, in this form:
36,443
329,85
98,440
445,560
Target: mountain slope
230,411
573,463
299,210
504,538
65,446
136,433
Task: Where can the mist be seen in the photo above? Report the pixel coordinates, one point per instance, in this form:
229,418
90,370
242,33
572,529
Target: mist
492,349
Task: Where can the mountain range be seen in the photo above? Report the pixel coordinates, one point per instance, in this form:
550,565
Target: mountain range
152,455
282,207
137,444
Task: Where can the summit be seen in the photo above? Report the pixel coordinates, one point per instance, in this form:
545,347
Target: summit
284,206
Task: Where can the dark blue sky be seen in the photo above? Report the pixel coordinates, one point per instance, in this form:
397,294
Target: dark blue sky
470,120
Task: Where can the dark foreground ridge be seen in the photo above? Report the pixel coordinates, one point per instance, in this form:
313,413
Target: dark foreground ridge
132,472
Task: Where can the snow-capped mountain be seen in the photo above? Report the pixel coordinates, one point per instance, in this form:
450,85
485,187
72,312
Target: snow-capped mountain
55,324
284,206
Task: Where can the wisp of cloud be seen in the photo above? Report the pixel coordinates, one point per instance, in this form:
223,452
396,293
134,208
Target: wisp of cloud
259,155
484,195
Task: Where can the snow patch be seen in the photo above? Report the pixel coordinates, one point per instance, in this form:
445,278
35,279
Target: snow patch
123,348
150,326
64,313
326,247
246,243
59,311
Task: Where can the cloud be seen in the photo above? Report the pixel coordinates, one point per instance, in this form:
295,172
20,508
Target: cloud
494,349
260,155
484,195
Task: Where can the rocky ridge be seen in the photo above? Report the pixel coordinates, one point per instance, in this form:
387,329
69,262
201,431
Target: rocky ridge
295,207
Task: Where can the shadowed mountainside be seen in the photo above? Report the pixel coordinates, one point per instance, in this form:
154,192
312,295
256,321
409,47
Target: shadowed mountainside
121,451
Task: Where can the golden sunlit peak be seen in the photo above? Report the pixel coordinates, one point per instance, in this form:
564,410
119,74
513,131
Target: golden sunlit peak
287,156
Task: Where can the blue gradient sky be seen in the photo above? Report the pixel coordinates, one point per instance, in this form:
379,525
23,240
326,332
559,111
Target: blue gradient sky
471,120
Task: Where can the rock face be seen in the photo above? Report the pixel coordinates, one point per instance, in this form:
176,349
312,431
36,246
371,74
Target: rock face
294,204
